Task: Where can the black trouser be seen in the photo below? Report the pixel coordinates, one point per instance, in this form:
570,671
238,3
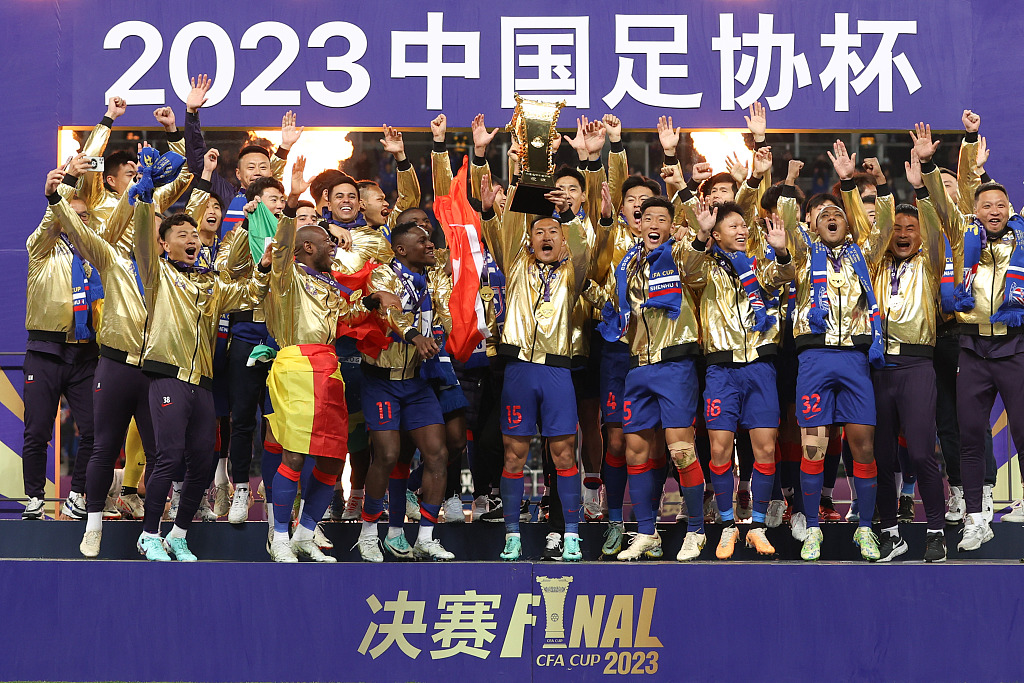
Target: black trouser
946,362
47,376
185,427
122,392
482,387
245,396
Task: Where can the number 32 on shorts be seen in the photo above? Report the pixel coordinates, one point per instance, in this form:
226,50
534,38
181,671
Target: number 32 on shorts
812,403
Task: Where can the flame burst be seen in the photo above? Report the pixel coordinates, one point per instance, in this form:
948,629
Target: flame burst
67,145
323,148
716,145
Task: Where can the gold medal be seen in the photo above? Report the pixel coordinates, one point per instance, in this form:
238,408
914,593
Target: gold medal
546,311
486,293
837,280
896,302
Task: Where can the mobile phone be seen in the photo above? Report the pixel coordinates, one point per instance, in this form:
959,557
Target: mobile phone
95,163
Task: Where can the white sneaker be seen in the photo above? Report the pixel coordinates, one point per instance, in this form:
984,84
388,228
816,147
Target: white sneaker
353,509
74,506
1016,513
320,538
643,545
987,504
431,550
131,506
412,506
682,515
240,502
479,507
281,550
453,512
90,545
773,516
205,513
693,543
592,510
956,508
798,526
308,548
974,535
222,499
110,509
369,548
172,510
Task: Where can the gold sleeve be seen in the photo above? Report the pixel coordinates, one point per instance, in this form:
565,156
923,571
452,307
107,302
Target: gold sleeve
618,171
476,174
441,294
579,251
491,230
282,269
686,211
967,180
277,166
747,198
596,295
441,170
879,237
89,244
693,264
165,195
860,224
593,202
40,243
408,191
789,210
234,258
952,220
147,251
383,279
90,185
196,206
932,237
512,236
773,276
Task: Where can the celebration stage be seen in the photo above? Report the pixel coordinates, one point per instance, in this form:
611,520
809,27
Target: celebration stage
254,620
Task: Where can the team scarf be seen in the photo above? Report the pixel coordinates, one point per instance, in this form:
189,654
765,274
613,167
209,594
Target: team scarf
664,289
416,300
1011,312
325,279
235,214
329,219
947,289
182,267
818,315
85,290
155,170
744,266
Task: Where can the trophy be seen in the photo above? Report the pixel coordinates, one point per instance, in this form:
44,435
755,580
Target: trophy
533,127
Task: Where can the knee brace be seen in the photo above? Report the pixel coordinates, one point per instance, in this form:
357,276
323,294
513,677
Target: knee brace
683,453
815,443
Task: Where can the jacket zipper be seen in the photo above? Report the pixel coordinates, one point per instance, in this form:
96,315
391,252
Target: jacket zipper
739,315
199,319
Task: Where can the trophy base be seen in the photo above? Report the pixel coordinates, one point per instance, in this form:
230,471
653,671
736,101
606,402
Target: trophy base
529,198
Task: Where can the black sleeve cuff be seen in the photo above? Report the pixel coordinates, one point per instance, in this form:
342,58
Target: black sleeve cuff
847,185
488,214
759,145
479,161
107,121
566,216
595,165
789,191
970,137
290,211
692,185
698,245
70,180
684,195
618,146
605,222
281,153
404,164
514,181
194,115
370,303
583,165
53,198
411,334
884,189
928,167
671,160
783,260
176,135
259,266
204,185
921,192
440,147
986,178
753,183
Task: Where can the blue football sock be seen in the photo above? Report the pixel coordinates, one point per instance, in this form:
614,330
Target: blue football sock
307,472
268,466
761,492
811,485
640,485
615,477
286,487
908,488
569,495
867,487
416,478
776,484
512,489
317,496
723,484
694,497
428,514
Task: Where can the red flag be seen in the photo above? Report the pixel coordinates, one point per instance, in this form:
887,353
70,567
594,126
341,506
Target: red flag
371,335
461,225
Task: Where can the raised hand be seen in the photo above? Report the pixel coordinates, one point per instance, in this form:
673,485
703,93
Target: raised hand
268,255
971,121
672,176
923,144
668,135
757,123
594,135
606,201
210,160
481,138
775,234
116,106
78,165
299,185
393,142
982,158
872,167
165,117
578,141
290,133
439,128
612,127
707,216
488,193
913,169
250,207
560,198
793,171
844,164
736,168
762,162
53,180
387,299
196,98
701,172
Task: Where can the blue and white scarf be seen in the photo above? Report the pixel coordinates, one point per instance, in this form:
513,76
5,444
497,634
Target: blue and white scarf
664,289
156,170
85,290
818,315
235,214
1011,312
743,266
416,299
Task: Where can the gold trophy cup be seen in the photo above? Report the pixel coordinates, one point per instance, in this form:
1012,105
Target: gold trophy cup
533,128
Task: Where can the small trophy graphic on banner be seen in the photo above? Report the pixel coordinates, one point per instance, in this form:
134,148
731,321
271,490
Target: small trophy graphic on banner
554,590
533,128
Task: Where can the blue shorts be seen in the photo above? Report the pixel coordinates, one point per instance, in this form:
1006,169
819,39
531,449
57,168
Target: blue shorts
400,404
614,366
535,395
834,386
660,395
741,396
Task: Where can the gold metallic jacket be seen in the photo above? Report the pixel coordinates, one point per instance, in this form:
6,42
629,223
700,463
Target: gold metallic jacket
849,324
547,341
122,329
654,337
368,244
908,317
408,198
726,315
401,359
184,308
300,309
